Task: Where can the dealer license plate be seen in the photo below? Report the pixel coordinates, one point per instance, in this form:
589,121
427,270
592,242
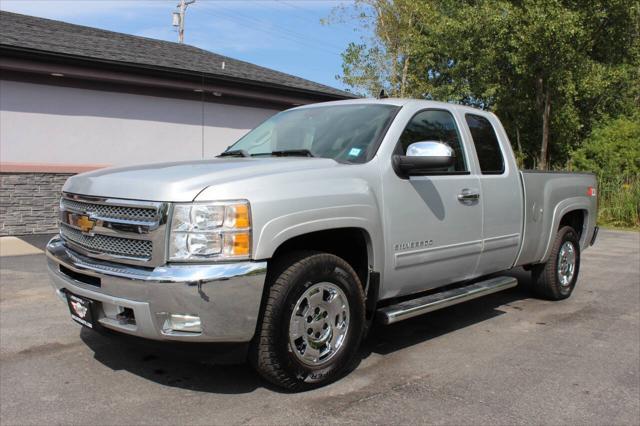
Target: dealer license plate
80,309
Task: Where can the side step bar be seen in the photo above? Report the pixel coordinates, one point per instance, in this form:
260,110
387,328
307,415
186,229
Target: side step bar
422,305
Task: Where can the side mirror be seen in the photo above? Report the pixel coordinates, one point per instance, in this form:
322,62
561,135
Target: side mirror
424,157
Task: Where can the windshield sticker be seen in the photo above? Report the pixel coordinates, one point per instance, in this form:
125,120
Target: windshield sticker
354,152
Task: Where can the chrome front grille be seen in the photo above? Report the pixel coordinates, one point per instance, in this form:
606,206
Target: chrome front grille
117,230
139,249
105,211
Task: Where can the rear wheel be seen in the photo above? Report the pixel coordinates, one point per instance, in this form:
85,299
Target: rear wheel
556,279
312,323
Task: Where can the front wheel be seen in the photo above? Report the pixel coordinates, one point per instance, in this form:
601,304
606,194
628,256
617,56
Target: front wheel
556,279
312,323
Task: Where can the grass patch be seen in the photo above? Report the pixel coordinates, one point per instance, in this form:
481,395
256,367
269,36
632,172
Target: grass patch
619,201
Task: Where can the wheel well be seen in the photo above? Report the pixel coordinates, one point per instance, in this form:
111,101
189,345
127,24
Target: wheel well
351,244
574,219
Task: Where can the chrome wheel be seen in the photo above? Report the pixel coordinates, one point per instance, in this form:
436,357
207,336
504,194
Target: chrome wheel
319,324
566,263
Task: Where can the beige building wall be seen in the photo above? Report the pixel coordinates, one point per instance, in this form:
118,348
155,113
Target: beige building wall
71,126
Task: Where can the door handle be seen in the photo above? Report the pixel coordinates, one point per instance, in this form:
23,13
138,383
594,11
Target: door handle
468,195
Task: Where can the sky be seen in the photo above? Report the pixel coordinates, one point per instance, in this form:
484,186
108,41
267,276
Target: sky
285,35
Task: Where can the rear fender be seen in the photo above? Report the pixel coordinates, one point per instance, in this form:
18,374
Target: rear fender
564,207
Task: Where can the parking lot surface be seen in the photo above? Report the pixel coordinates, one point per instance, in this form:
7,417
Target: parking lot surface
508,358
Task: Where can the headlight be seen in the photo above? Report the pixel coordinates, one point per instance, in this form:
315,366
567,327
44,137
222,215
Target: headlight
202,231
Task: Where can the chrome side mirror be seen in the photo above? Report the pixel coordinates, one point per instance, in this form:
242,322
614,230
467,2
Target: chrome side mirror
425,157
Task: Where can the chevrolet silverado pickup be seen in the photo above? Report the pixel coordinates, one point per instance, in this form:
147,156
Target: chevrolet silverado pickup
320,221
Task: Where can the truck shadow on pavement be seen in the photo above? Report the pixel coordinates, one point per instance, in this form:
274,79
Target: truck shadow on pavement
190,366
182,365
384,340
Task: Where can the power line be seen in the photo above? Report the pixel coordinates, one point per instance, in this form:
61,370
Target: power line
258,25
322,43
314,20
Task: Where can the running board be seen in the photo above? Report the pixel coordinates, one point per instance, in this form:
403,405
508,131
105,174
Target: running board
422,305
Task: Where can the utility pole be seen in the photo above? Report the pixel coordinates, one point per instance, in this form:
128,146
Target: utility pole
178,17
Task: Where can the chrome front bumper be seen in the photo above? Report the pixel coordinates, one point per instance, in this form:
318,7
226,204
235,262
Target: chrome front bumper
226,297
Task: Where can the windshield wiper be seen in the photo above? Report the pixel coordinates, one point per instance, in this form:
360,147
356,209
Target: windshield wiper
280,153
292,153
235,153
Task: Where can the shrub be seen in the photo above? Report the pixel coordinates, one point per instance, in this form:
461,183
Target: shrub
612,151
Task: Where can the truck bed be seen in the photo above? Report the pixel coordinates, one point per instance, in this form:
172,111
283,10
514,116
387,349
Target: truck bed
547,197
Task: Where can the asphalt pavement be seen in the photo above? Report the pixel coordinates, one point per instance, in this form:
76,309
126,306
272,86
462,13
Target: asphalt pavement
508,358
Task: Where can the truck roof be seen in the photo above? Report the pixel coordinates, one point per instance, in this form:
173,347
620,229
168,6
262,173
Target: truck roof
398,102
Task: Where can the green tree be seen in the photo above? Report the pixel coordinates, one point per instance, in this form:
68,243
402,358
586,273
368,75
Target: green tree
612,149
381,61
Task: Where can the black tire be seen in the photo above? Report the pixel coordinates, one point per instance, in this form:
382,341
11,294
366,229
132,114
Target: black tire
272,354
546,279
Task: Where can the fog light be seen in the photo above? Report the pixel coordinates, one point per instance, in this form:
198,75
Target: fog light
182,323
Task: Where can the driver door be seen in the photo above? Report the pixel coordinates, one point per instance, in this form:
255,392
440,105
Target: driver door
433,233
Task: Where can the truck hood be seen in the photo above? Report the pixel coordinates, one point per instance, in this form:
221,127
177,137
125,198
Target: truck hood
183,181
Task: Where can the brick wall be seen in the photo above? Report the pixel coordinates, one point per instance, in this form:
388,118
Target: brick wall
29,202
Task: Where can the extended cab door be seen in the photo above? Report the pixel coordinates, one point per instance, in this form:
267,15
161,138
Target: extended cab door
433,223
502,197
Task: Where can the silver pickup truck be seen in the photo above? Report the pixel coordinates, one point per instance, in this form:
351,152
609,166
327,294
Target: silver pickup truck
322,220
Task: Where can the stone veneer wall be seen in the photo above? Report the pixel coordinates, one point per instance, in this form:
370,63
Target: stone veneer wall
29,202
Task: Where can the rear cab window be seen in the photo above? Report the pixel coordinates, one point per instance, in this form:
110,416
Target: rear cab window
486,144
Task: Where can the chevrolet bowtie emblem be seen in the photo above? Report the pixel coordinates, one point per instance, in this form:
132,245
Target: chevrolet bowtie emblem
84,223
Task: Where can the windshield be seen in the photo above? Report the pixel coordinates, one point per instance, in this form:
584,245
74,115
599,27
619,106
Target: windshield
345,133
